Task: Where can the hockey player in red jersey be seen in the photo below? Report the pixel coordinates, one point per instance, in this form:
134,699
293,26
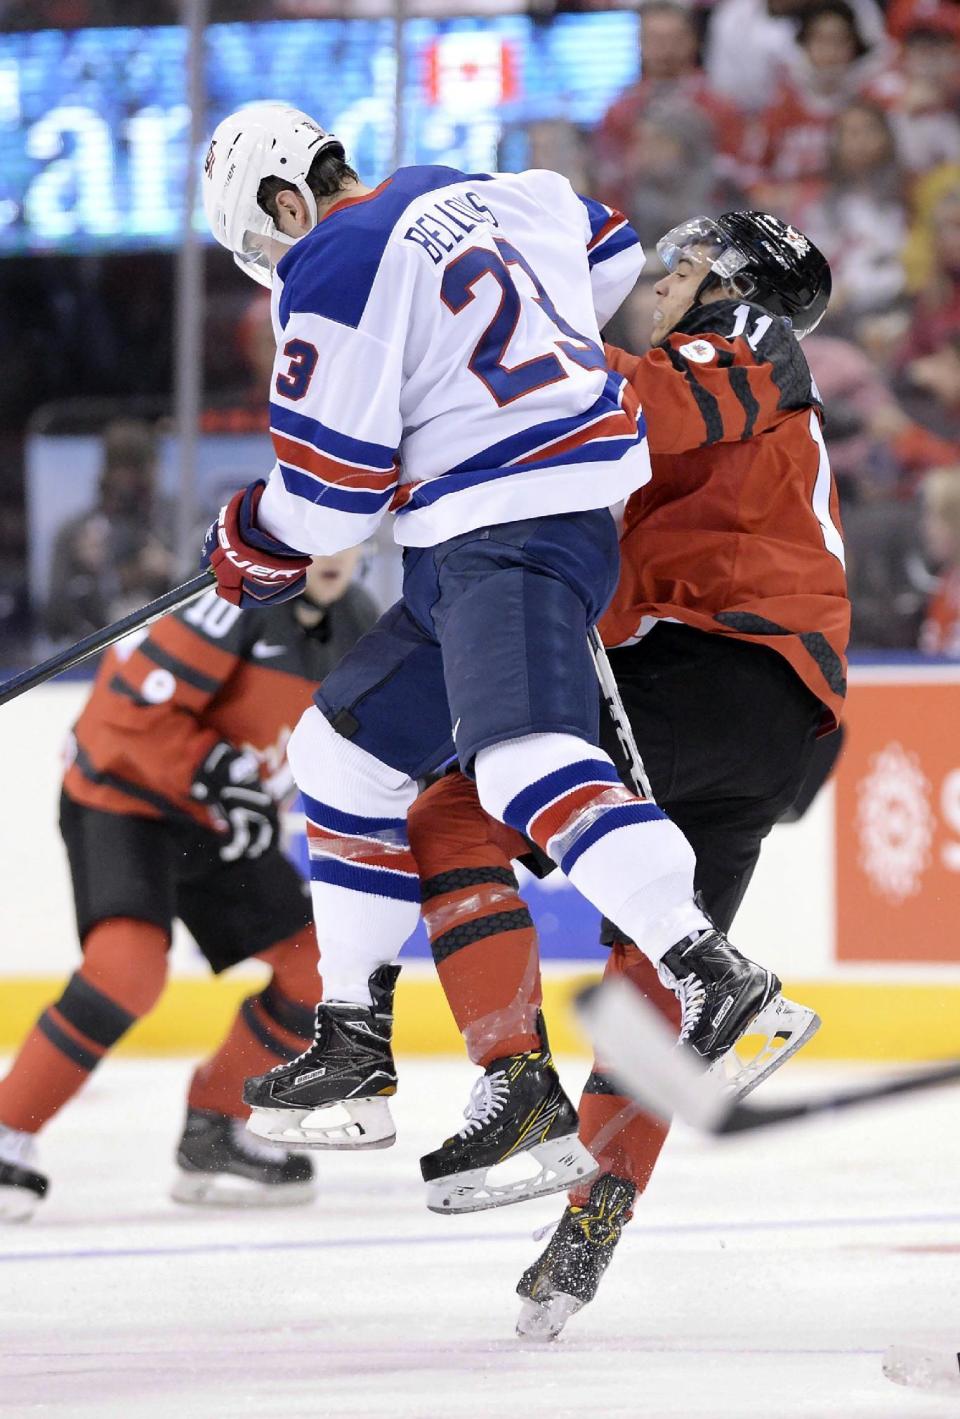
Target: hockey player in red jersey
170,809
730,626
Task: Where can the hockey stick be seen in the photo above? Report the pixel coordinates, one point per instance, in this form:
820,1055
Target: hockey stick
667,1080
617,713
99,640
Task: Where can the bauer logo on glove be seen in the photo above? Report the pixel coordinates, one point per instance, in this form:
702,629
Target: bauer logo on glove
252,568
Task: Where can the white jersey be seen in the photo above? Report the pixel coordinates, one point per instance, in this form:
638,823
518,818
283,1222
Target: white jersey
439,355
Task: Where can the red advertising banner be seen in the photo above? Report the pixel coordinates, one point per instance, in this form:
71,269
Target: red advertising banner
898,818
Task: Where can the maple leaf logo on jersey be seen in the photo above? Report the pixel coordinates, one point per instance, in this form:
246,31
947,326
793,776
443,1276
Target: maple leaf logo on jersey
894,823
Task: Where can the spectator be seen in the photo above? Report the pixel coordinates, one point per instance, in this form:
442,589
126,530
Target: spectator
934,263
933,389
921,89
671,76
751,42
794,131
668,170
940,526
860,220
876,450
116,556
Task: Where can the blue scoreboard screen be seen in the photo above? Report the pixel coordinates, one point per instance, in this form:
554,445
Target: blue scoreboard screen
94,123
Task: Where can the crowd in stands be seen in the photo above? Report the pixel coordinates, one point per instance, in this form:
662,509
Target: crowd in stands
842,116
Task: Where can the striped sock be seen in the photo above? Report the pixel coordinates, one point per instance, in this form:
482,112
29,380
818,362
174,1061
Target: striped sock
622,852
59,1054
364,880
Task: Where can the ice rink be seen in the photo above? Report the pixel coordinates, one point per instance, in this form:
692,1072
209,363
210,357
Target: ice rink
760,1279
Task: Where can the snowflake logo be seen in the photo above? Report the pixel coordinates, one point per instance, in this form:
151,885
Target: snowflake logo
894,823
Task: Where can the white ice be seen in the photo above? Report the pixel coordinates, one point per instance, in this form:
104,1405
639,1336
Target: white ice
761,1279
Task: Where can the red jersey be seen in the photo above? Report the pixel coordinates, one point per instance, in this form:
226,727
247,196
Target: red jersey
209,672
738,532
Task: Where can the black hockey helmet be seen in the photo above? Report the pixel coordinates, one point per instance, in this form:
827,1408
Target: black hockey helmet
764,259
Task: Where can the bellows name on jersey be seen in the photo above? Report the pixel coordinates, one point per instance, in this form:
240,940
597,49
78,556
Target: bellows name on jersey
443,226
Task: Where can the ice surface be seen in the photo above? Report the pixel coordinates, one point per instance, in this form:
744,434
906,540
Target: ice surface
761,1279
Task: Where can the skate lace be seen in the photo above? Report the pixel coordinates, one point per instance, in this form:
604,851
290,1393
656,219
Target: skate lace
487,1098
692,995
304,1053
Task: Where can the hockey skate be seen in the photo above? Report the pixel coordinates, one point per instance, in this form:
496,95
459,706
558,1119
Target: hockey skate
733,1013
220,1165
22,1188
334,1095
517,1106
565,1277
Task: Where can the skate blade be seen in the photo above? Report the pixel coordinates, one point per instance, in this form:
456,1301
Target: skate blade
544,1320
772,1037
228,1190
352,1124
909,1365
563,1162
18,1204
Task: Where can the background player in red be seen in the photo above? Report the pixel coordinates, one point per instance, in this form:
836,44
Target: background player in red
732,620
169,809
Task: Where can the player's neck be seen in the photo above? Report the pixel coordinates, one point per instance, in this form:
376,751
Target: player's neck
350,190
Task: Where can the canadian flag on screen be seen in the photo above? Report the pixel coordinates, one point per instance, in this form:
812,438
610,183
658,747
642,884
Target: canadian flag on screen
470,71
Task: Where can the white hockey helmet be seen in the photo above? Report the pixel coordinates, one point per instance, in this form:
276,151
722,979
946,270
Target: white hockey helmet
268,139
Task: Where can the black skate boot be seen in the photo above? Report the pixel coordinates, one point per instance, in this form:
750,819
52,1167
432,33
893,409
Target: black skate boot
734,1015
334,1095
22,1188
517,1106
565,1277
220,1165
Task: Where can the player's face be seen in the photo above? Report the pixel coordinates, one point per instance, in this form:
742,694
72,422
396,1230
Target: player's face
329,577
675,294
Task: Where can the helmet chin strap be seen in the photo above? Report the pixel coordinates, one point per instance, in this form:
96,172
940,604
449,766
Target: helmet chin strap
710,280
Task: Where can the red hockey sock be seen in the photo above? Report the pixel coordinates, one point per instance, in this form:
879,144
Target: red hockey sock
274,1025
621,1136
481,933
121,978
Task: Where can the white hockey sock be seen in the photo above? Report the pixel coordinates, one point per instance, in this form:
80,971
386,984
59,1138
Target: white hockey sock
622,852
364,882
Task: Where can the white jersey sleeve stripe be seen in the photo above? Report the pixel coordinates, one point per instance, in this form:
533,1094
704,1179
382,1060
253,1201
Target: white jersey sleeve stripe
340,447
305,457
615,256
315,490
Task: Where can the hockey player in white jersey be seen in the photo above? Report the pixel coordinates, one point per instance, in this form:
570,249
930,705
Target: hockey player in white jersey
439,357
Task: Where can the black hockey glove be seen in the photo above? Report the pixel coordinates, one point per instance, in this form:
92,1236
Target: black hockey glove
228,783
